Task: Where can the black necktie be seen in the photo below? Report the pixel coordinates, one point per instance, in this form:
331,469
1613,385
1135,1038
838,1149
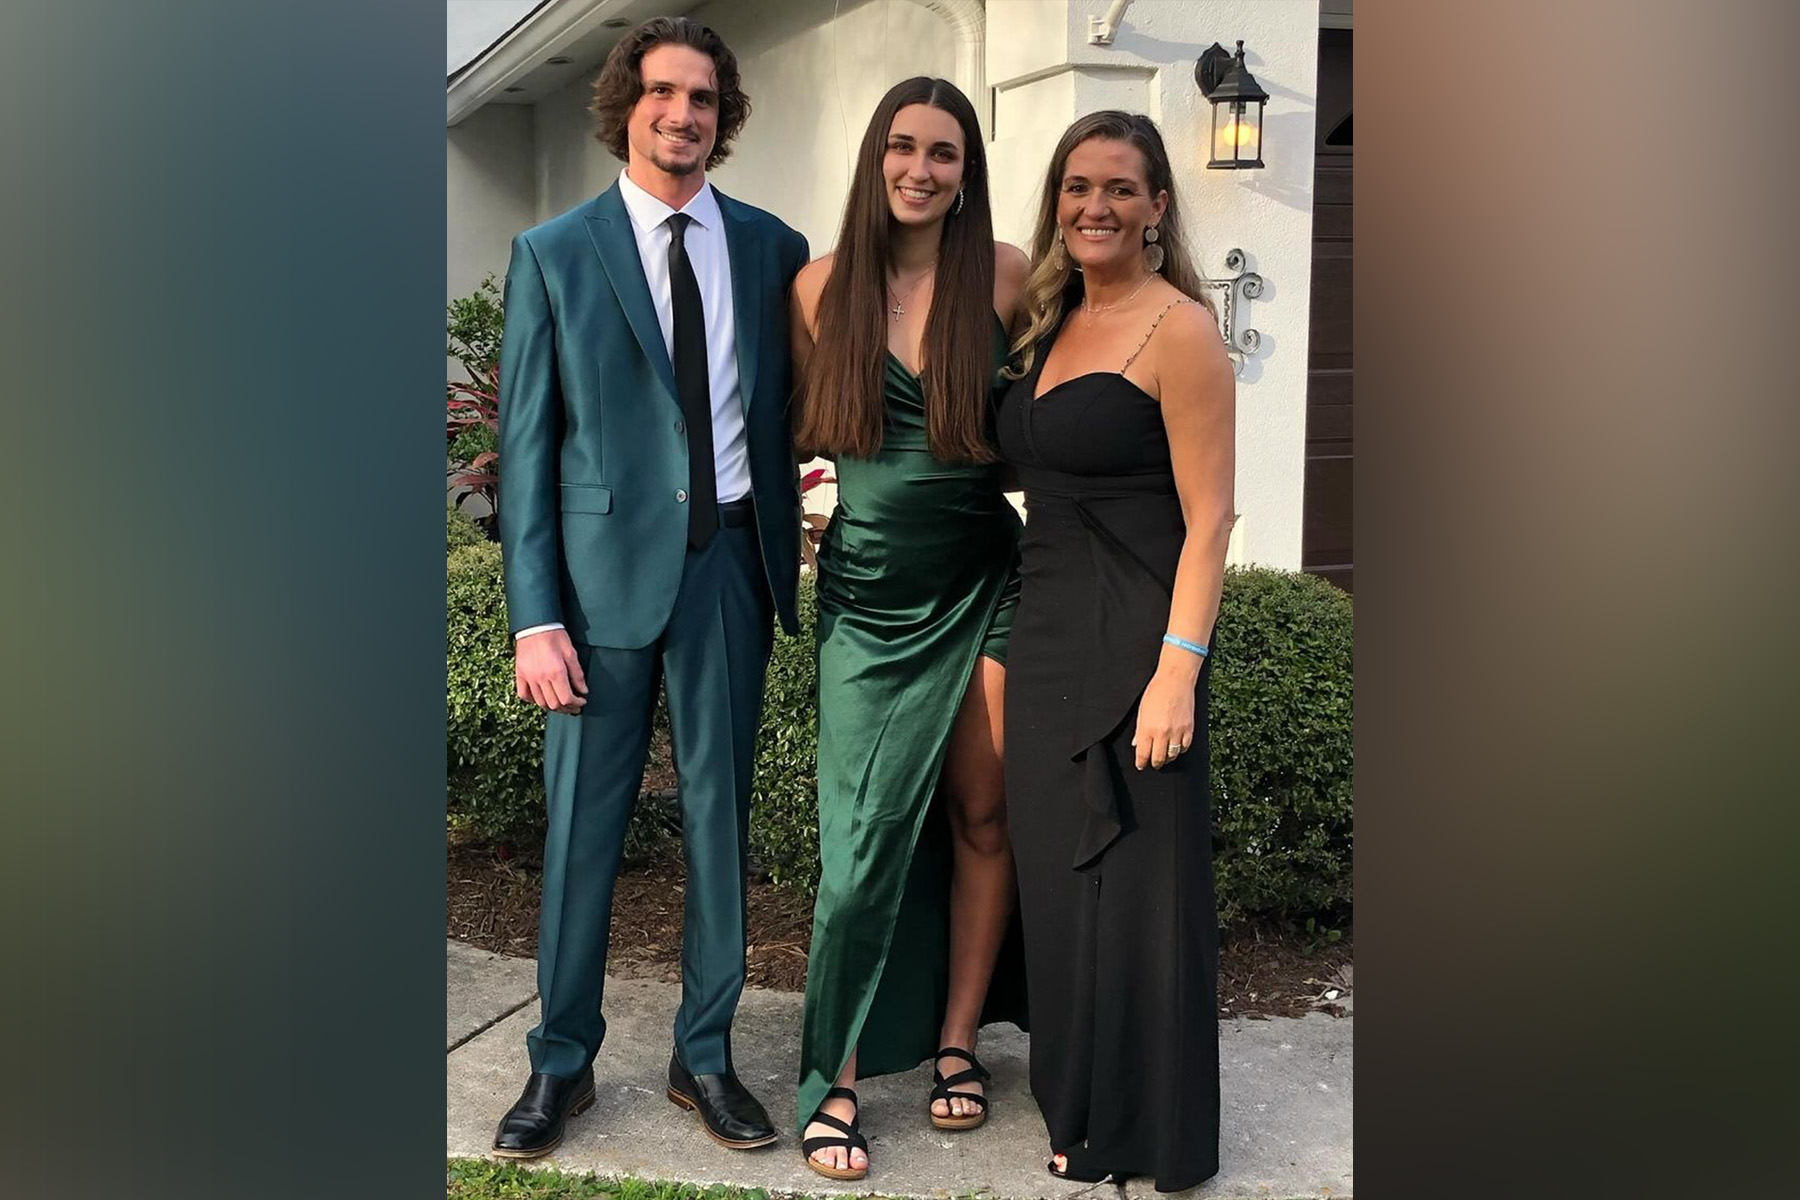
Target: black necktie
691,386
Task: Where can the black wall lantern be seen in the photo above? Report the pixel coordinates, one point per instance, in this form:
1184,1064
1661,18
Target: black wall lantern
1236,129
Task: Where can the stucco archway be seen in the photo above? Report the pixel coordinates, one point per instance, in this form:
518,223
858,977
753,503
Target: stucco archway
968,19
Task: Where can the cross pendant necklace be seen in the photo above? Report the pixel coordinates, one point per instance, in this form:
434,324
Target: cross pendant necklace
899,309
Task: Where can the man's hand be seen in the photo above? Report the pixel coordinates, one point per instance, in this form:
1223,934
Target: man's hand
547,672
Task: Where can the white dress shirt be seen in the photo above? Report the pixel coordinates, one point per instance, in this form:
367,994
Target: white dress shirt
712,269
711,260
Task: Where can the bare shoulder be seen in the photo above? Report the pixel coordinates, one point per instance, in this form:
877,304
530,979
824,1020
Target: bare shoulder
1012,271
1190,325
1190,348
809,285
810,281
1011,264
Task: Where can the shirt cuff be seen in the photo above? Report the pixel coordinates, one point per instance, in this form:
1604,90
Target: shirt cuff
525,633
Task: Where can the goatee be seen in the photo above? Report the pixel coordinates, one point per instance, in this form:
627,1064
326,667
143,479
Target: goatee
675,168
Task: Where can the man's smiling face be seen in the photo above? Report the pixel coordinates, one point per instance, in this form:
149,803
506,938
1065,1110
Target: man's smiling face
675,122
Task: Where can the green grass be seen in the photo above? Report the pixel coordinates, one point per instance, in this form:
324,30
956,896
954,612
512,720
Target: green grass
480,1179
486,1179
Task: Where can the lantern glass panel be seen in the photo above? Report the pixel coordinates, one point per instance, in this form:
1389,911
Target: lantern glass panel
1225,133
1250,133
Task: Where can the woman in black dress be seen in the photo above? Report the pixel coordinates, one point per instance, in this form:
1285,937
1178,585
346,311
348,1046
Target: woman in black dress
1120,425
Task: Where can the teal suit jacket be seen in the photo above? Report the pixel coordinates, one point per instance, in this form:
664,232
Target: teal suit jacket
592,454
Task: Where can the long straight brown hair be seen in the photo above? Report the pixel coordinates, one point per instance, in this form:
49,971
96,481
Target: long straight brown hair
840,404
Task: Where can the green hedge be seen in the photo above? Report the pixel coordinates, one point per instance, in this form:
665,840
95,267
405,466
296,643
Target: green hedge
1280,720
784,804
460,529
1280,723
495,740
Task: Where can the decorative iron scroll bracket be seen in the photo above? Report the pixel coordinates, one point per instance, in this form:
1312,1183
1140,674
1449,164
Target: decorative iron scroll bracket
1240,343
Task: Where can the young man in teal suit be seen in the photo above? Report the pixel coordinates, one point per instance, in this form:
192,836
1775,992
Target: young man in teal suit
649,519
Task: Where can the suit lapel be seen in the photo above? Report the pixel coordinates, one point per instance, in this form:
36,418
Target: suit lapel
609,228
746,292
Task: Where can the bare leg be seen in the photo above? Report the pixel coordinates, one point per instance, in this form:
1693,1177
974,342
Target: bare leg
843,1110
982,884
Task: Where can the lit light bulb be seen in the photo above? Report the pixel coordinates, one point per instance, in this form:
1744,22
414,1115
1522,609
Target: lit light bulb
1227,138
1234,134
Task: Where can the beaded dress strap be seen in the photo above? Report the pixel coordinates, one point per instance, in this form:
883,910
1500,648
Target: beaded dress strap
1153,325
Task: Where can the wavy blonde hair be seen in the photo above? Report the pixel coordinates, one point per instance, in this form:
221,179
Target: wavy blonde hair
1052,288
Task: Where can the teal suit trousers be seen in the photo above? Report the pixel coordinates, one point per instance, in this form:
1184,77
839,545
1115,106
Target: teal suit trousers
713,653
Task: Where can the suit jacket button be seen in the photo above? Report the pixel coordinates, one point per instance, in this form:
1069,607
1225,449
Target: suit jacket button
680,496
680,427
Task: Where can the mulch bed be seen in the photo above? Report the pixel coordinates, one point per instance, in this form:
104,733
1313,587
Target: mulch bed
493,903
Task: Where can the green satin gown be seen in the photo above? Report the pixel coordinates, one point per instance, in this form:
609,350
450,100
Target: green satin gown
918,577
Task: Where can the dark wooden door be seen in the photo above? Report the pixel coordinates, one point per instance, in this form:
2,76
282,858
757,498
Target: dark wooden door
1325,538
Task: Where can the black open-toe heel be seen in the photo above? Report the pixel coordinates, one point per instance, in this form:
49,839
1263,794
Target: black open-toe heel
852,1139
975,1073
1078,1173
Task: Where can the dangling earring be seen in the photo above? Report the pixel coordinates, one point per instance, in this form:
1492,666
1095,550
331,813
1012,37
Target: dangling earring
1153,253
959,203
1059,258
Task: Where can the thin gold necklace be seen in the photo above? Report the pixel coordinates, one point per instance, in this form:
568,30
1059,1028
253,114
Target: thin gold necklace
1092,309
899,309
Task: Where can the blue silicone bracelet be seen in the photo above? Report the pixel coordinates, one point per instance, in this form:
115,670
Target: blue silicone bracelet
1195,647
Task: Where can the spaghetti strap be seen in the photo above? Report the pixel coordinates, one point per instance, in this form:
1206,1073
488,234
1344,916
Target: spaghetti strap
1153,325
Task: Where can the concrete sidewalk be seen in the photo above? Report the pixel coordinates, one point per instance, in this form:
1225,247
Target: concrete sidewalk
1285,1085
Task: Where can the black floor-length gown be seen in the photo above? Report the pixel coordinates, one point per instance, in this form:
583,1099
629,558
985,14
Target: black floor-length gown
1115,865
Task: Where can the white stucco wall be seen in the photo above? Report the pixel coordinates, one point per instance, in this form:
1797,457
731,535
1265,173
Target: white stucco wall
813,82
492,194
1045,74
568,164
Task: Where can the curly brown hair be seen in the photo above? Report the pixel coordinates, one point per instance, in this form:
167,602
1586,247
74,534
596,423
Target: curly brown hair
621,82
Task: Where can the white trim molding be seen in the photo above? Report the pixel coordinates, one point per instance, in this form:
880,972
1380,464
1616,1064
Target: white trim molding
550,28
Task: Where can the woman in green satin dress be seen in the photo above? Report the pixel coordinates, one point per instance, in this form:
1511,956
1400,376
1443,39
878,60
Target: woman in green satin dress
898,337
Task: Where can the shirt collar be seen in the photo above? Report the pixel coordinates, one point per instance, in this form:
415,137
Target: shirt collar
647,212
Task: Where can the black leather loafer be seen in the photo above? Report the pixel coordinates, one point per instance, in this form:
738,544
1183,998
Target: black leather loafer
730,1115
534,1125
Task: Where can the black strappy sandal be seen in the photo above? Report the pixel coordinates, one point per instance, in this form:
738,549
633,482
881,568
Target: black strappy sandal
852,1138
975,1073
1078,1173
